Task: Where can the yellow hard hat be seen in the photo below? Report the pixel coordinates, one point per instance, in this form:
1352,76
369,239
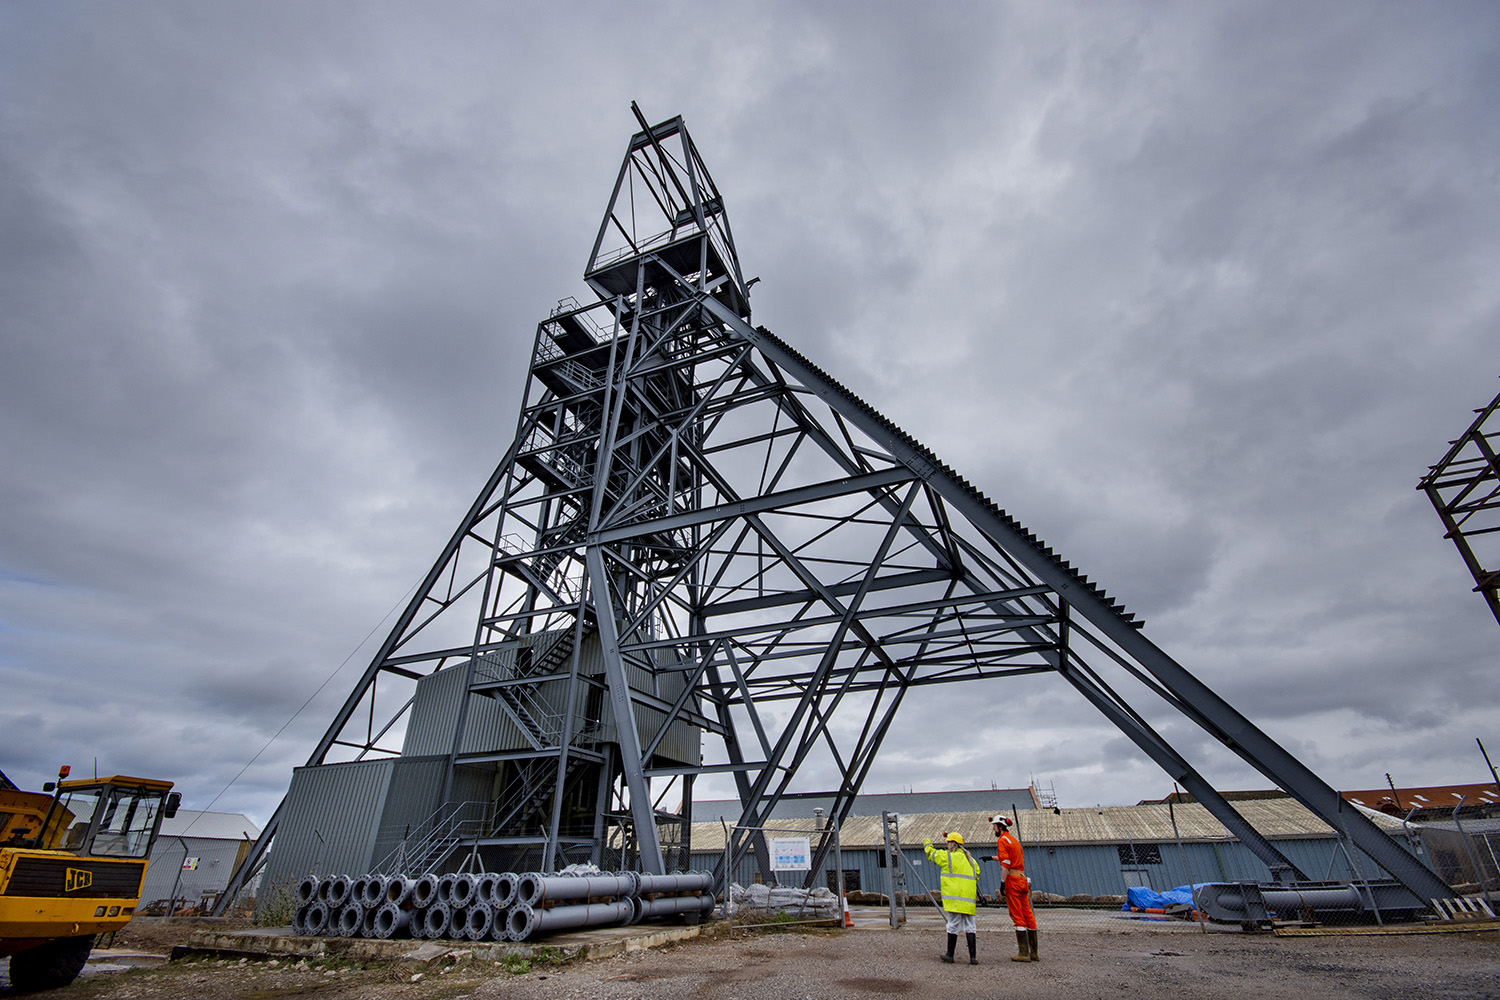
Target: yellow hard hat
957,838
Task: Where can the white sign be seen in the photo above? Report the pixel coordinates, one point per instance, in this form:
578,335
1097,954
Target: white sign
790,854
189,864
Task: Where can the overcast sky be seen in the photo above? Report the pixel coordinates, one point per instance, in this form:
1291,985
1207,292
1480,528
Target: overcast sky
1196,291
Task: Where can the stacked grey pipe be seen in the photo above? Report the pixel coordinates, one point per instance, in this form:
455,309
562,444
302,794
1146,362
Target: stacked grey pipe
492,906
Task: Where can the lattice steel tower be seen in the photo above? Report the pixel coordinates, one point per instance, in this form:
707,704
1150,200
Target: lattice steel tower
1465,491
700,542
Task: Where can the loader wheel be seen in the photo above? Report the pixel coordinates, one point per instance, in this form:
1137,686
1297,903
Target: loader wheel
51,965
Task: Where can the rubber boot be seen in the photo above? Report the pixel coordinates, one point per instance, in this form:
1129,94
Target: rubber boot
973,949
952,943
1031,943
1023,953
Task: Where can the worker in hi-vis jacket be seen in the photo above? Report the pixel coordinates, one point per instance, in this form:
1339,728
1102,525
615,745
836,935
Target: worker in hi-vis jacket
1017,888
959,889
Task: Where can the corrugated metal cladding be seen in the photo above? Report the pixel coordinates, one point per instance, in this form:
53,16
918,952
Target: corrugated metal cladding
330,821
411,798
434,713
682,742
474,784
489,728
434,718
214,859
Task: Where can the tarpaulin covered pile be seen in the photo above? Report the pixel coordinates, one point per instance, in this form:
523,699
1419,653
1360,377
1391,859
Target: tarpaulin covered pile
1143,898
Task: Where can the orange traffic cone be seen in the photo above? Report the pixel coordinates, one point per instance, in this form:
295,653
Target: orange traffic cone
848,917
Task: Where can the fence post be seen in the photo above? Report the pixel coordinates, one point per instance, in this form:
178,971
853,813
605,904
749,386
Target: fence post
890,866
728,894
1484,881
838,866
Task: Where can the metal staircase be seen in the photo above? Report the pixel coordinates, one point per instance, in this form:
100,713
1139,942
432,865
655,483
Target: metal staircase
427,847
504,677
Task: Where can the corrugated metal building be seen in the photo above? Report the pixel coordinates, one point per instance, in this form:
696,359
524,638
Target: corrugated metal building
1097,851
196,854
344,818
350,817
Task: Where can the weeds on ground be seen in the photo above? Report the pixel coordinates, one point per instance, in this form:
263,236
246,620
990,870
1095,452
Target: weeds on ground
518,964
277,908
547,955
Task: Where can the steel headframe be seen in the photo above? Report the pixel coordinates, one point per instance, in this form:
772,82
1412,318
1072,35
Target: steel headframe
756,556
1465,491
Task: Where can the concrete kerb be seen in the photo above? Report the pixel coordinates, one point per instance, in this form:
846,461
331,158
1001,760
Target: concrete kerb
280,942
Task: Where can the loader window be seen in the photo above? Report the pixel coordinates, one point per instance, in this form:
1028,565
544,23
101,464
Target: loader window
119,819
126,823
78,807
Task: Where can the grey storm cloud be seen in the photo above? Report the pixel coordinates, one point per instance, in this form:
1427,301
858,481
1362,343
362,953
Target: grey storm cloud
1197,292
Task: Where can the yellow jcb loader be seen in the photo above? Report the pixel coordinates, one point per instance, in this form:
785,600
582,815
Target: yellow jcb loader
71,865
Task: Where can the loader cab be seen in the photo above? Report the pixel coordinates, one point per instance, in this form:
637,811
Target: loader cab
115,817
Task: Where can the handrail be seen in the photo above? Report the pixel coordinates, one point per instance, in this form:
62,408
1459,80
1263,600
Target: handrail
446,822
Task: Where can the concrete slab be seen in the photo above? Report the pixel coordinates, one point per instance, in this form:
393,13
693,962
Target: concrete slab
126,958
105,961
431,951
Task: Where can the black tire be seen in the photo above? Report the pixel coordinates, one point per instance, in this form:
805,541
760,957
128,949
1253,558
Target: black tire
51,965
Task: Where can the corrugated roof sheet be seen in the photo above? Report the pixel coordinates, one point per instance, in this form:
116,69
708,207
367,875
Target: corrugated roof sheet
1429,797
872,804
209,825
1282,818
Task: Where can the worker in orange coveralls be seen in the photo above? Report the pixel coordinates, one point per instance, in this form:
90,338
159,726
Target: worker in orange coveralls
1017,888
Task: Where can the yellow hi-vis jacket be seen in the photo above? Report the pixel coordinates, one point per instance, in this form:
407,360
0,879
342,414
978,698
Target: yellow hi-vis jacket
960,884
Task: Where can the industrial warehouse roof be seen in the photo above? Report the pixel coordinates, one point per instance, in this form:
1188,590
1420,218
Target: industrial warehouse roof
209,825
1429,797
1276,819
989,800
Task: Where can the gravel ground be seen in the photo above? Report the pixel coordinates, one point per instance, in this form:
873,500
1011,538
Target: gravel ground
1081,960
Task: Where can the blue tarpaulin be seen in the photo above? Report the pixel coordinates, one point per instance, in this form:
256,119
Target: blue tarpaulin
1140,897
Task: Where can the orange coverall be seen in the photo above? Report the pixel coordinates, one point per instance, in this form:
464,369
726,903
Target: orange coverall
1017,889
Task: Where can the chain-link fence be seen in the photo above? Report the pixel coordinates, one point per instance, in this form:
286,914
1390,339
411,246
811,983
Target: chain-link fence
1465,853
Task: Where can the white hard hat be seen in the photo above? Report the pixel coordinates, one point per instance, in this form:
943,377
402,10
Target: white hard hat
1001,818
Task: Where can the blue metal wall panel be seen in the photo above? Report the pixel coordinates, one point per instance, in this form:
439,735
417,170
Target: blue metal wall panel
1095,869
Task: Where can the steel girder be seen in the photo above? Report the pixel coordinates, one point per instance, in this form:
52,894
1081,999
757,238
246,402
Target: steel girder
1465,491
755,556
